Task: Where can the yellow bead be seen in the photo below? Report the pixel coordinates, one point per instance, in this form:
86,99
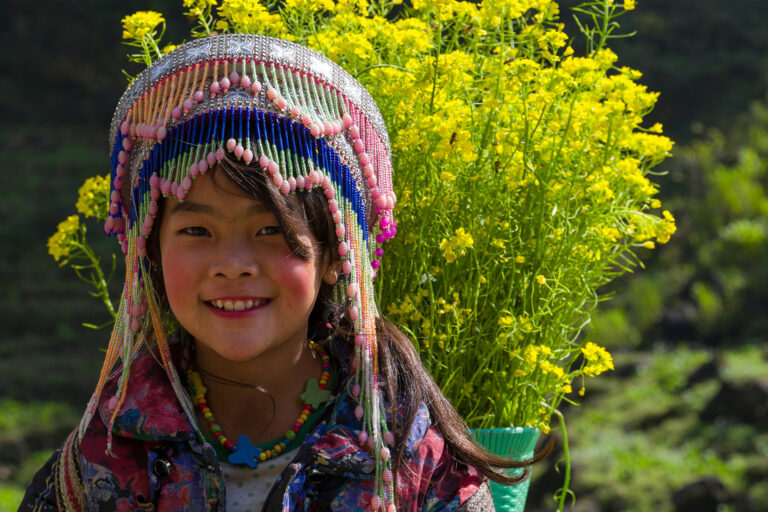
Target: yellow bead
262,456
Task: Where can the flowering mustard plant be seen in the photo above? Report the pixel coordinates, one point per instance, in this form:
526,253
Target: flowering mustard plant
522,172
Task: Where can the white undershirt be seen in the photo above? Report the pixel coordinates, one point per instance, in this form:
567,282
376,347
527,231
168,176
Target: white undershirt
247,488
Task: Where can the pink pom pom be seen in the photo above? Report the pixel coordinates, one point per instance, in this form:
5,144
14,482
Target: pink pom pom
372,181
314,130
176,113
272,167
117,182
234,78
122,157
120,170
113,209
359,412
379,252
263,161
354,132
387,476
127,144
384,222
238,150
300,182
330,193
306,120
115,196
346,267
380,239
231,144
362,436
153,207
364,159
316,177
225,84
154,194
245,82
352,293
108,225
186,184
202,165
353,313
376,502
281,103
187,105
389,438
337,217
343,248
359,146
272,93
285,188
333,206
220,154
215,88
328,127
391,507
194,169
340,231
277,179
165,187
375,264
174,188
368,170
211,159
132,130
198,97
255,87
356,391
135,325
248,156
125,128
385,453
162,133
381,202
181,194
347,119
292,183
295,112
359,340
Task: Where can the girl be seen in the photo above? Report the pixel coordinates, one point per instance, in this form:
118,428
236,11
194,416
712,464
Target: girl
248,359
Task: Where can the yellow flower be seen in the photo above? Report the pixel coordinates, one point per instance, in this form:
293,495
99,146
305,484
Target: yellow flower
249,16
140,24
92,197
447,176
457,245
598,359
541,279
520,259
62,242
648,244
629,5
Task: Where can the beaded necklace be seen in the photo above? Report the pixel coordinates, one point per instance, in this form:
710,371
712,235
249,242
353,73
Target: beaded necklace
244,452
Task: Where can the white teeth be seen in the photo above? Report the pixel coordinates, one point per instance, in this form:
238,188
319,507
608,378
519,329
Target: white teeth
238,305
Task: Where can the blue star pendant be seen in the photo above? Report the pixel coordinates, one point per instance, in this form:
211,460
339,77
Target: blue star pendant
245,453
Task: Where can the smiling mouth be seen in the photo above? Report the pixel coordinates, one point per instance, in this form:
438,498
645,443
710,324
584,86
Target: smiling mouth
237,305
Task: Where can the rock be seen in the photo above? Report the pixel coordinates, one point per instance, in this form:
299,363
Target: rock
705,495
707,371
740,402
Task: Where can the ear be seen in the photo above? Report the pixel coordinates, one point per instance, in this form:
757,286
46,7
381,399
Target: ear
331,274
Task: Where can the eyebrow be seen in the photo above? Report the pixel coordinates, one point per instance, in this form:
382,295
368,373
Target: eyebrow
206,209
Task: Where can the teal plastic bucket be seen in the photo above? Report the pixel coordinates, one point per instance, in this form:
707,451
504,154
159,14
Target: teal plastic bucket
513,442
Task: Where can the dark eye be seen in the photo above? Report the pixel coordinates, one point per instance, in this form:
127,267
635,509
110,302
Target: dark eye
194,231
270,230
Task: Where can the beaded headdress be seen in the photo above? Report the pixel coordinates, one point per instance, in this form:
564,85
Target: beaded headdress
284,110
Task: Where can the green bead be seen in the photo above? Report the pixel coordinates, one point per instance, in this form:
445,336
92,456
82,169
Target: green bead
215,428
290,434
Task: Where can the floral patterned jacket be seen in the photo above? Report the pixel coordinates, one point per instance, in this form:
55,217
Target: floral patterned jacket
161,463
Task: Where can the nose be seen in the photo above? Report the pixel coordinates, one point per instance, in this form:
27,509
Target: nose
234,259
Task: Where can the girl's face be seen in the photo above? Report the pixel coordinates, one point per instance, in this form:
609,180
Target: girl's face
230,277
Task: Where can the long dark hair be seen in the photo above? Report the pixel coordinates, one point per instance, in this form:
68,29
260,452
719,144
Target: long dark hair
408,384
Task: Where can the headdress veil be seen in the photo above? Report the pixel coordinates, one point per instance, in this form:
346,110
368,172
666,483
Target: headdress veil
284,110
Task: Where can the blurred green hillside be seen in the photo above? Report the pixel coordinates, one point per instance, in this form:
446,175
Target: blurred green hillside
680,425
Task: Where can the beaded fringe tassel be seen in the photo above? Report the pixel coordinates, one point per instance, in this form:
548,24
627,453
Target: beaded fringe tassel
290,113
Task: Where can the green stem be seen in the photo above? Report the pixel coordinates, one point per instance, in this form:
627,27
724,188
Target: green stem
564,490
100,283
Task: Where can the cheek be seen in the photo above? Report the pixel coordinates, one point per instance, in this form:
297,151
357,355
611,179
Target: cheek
178,277
300,278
